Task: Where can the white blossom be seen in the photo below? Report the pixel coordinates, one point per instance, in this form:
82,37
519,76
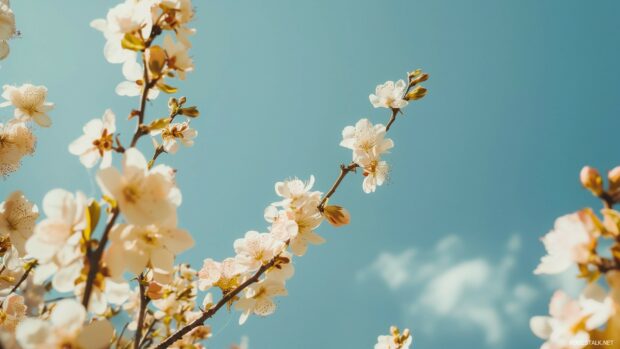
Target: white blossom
96,142
570,319
258,299
56,240
16,141
17,220
365,138
133,248
178,57
129,17
225,275
144,196
571,240
176,133
389,95
12,311
64,329
29,102
257,249
375,171
134,73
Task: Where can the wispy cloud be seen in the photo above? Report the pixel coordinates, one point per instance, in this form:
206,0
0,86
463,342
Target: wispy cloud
445,286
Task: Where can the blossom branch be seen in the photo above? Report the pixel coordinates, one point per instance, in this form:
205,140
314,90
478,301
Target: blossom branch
142,312
94,257
29,268
208,313
344,170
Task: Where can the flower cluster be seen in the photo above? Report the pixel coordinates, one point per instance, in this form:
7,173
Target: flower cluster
575,240
117,253
7,28
395,340
16,137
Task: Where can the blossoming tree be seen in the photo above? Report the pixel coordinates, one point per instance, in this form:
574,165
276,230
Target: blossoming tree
69,270
580,239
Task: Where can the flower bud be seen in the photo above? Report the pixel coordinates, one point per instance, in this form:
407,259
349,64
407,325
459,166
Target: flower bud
182,100
614,179
415,94
154,290
191,112
336,215
591,180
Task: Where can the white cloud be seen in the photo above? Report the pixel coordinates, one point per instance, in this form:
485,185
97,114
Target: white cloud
443,287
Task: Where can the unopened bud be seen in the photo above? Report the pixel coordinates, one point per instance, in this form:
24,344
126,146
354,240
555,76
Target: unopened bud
394,331
182,100
415,94
154,290
591,180
414,74
406,333
173,103
419,79
191,112
336,215
614,179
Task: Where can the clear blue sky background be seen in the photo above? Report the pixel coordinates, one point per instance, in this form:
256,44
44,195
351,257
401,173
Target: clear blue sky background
522,94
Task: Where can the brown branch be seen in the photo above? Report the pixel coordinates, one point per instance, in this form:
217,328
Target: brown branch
31,266
344,170
145,92
206,314
143,303
94,257
392,119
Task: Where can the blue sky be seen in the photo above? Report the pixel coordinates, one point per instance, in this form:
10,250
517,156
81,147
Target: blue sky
522,94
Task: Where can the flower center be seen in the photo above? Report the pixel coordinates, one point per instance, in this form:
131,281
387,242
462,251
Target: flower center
104,143
131,193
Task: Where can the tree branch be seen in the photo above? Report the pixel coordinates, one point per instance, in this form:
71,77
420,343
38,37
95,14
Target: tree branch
206,314
143,303
94,257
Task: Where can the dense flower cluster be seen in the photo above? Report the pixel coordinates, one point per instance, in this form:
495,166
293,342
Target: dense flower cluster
117,253
595,316
7,27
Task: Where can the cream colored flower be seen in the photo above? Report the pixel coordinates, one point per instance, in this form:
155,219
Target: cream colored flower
129,17
134,73
29,102
365,138
257,249
134,248
17,220
7,22
176,133
144,196
13,311
375,171
178,57
389,95
571,320
226,274
55,237
183,14
296,193
16,141
96,142
65,329
258,299
571,241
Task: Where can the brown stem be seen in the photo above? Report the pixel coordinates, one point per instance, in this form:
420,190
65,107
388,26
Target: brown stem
158,151
21,280
143,303
145,92
211,311
392,119
344,170
94,257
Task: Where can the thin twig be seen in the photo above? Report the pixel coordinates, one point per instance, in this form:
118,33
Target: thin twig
143,303
94,257
344,170
31,266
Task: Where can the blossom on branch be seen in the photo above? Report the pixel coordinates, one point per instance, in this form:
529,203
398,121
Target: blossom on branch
571,320
145,196
16,141
226,274
258,299
389,95
572,240
176,133
65,329
133,248
7,28
29,102
97,142
17,220
395,340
